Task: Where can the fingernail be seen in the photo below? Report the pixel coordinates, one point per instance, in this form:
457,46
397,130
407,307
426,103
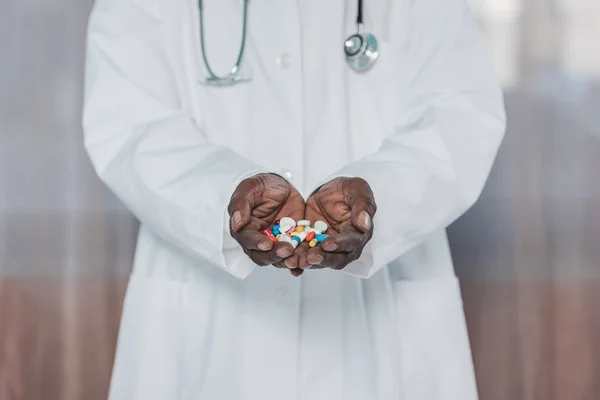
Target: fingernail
283,252
364,219
264,246
287,264
236,219
330,246
318,259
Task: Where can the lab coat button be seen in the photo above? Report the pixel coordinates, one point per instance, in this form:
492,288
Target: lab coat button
287,174
284,60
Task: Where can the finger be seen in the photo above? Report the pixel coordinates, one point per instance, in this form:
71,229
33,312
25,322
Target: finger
363,211
317,258
295,271
275,256
300,253
344,242
252,239
240,211
292,262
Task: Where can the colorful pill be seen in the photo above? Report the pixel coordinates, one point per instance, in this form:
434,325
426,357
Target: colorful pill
300,228
320,226
294,234
320,237
268,233
313,243
297,239
301,235
310,235
273,239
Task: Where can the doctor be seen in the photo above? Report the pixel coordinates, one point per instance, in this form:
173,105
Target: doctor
389,136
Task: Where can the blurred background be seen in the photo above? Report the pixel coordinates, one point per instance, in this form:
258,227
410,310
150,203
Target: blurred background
528,253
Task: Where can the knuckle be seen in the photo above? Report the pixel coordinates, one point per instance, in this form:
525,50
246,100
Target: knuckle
331,260
261,262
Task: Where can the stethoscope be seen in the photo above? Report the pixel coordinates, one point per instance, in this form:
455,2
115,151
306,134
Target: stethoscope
360,49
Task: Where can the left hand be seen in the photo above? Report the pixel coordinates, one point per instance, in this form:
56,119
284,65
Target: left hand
348,206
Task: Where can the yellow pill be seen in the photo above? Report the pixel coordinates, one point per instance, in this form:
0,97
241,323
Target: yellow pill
294,234
299,229
313,243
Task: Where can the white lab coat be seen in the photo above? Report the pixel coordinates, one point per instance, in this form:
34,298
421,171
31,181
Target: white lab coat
200,321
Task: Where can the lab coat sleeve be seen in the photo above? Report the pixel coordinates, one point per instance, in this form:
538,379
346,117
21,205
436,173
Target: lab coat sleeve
450,123
144,147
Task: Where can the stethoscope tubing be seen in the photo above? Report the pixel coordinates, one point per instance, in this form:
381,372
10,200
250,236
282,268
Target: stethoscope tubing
360,60
236,67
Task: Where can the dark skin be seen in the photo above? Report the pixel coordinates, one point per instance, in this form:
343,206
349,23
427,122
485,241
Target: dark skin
255,205
347,205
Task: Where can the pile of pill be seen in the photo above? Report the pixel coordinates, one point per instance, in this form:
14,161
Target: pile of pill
288,230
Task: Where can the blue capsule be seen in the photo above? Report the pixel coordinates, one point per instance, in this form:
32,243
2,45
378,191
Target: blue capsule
320,237
297,239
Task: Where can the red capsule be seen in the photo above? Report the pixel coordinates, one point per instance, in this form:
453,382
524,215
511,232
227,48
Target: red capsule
310,236
268,233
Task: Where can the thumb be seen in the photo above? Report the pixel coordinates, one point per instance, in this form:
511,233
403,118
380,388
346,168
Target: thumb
240,212
363,211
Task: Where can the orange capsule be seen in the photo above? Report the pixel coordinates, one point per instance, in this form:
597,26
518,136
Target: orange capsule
310,236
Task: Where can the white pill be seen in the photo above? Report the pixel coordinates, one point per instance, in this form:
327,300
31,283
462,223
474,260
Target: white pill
320,227
302,235
286,223
294,243
285,238
304,222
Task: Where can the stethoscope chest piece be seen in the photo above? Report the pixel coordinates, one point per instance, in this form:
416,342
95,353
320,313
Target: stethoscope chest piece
361,51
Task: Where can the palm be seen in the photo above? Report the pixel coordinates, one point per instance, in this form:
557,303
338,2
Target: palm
329,204
276,200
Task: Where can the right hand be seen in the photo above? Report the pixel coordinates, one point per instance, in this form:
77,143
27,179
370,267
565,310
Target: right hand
255,205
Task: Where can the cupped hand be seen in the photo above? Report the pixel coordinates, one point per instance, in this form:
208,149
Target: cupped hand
348,206
255,205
